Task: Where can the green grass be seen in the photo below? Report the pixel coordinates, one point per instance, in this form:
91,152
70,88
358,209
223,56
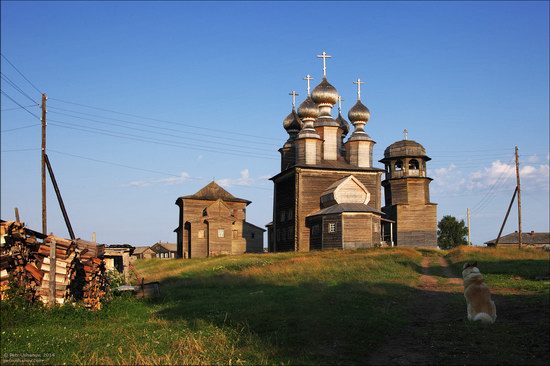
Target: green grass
285,308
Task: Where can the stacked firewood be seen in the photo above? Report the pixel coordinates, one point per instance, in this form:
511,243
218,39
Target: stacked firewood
17,261
79,267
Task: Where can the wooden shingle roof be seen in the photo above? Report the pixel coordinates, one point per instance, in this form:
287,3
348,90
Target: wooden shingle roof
526,238
212,191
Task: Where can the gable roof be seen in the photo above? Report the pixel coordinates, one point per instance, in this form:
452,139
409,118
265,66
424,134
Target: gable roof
254,226
354,192
140,250
212,191
526,238
346,207
168,246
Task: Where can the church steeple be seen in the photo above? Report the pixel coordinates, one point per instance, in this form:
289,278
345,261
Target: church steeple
308,142
292,124
325,95
359,146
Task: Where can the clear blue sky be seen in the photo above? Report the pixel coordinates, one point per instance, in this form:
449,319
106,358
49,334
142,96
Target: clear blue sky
469,80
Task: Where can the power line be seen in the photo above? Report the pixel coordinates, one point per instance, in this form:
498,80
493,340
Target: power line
145,170
20,73
13,100
20,128
155,132
17,150
16,87
14,108
119,165
162,121
488,196
224,138
157,142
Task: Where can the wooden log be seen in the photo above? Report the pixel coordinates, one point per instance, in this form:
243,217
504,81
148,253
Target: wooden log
35,272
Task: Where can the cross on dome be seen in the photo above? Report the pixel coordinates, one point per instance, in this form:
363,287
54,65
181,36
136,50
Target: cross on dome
294,94
340,104
308,78
406,134
359,82
324,56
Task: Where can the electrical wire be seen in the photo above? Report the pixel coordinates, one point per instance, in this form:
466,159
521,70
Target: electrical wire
14,108
20,73
16,87
159,142
163,121
20,128
13,100
159,133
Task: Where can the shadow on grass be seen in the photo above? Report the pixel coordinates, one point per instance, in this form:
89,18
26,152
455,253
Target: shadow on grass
346,323
521,268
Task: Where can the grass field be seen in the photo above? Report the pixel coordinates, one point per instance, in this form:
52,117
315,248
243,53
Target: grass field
290,308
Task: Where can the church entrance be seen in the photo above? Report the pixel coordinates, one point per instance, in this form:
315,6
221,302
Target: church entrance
187,228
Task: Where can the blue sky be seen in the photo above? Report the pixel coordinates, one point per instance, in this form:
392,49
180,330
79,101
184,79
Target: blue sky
201,89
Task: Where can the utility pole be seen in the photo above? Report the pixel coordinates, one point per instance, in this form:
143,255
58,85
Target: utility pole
44,221
519,199
468,215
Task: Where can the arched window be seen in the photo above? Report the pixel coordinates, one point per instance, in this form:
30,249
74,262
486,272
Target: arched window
414,165
398,165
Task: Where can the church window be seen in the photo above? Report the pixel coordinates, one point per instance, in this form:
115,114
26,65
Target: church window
204,212
221,233
332,227
398,165
413,164
235,234
200,234
252,235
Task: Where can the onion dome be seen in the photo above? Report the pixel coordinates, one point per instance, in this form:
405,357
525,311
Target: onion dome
292,121
344,125
308,109
359,113
324,93
404,149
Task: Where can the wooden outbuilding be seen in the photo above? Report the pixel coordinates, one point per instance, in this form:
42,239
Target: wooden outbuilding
534,239
213,222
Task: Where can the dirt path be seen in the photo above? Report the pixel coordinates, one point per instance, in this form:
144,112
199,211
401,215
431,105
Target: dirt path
412,346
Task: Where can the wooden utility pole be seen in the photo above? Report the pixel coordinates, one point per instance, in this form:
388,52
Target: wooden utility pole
468,216
44,221
519,200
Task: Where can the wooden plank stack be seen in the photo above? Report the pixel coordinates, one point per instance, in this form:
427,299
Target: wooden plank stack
79,267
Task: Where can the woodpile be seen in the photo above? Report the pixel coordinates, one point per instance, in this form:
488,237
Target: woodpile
26,263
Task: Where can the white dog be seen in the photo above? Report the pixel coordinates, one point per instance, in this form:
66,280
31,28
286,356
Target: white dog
478,296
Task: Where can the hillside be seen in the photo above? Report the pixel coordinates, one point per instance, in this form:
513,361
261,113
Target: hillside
382,306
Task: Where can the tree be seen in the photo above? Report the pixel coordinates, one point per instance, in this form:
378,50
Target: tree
451,233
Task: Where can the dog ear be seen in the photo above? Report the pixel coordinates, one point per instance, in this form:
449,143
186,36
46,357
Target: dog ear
466,265
474,264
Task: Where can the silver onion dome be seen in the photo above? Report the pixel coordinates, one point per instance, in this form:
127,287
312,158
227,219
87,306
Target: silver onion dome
344,125
308,109
324,93
359,113
292,121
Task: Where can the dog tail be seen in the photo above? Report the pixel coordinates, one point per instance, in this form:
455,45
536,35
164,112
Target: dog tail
484,318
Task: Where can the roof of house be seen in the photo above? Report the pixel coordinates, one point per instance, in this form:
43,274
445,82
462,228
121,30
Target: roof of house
212,191
254,226
526,238
140,250
346,207
168,246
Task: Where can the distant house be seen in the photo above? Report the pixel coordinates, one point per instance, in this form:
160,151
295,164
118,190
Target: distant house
144,253
165,250
531,238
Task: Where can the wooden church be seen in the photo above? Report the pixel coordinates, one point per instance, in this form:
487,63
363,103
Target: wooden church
328,193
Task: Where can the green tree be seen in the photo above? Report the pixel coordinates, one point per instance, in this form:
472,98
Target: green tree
451,232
